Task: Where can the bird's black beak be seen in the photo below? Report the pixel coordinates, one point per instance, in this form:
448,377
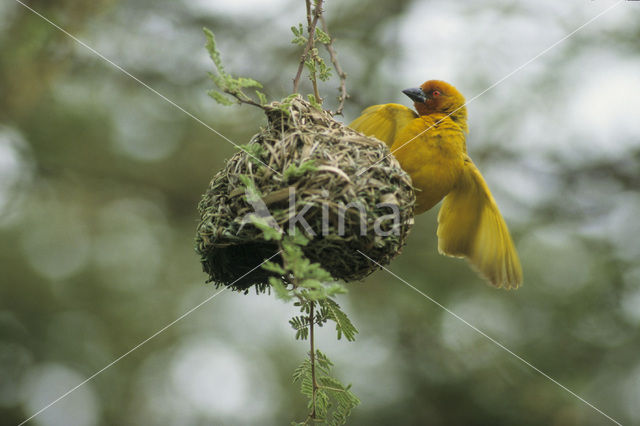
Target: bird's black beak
416,94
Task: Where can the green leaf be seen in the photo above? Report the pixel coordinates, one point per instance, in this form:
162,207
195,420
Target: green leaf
298,35
280,290
311,284
248,82
273,267
256,151
300,324
302,370
322,37
323,361
253,148
315,270
294,171
322,404
299,239
252,193
336,288
310,63
314,103
214,54
302,374
324,72
217,80
262,97
268,232
285,103
288,99
344,326
220,98
223,80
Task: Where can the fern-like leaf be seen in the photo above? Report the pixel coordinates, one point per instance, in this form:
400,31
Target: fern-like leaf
344,326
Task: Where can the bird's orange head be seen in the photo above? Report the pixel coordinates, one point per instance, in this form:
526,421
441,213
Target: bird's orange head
436,96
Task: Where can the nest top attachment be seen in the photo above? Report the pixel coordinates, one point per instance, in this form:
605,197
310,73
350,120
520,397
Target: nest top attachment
308,172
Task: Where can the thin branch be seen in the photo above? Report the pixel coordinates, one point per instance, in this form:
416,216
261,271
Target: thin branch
343,76
333,389
311,28
314,82
312,355
308,5
313,55
242,98
314,384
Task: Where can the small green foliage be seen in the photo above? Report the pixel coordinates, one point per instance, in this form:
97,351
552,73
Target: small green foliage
310,62
285,103
334,401
314,62
251,191
279,288
331,310
225,81
262,97
301,325
299,238
298,35
313,289
214,54
252,194
324,72
247,82
268,231
249,184
256,153
220,98
311,58
314,102
322,37
295,172
274,267
302,373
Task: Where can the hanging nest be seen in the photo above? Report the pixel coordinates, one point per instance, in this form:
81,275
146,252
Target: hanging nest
344,186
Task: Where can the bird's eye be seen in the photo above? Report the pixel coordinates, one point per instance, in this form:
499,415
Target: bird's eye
435,93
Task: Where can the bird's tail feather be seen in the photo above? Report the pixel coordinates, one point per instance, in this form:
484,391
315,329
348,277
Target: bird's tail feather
471,226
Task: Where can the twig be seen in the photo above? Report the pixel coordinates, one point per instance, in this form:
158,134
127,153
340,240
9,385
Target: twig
314,384
242,98
311,28
343,76
317,14
312,354
332,389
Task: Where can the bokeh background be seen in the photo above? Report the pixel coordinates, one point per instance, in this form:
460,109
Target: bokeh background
99,181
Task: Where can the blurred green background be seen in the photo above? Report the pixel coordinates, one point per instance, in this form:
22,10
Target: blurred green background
99,181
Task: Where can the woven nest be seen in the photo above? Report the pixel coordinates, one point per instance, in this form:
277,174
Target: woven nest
331,168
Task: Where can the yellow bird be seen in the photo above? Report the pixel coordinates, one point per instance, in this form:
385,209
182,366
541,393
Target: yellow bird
431,147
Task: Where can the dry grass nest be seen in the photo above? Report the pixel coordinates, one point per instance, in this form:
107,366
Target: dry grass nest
338,175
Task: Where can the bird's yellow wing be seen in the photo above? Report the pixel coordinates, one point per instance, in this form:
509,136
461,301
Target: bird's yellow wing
471,226
383,121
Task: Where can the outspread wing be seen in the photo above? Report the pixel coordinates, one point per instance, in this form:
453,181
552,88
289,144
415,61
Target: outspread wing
383,121
471,226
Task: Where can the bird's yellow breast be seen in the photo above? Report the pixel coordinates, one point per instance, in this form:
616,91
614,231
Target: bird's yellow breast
431,150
